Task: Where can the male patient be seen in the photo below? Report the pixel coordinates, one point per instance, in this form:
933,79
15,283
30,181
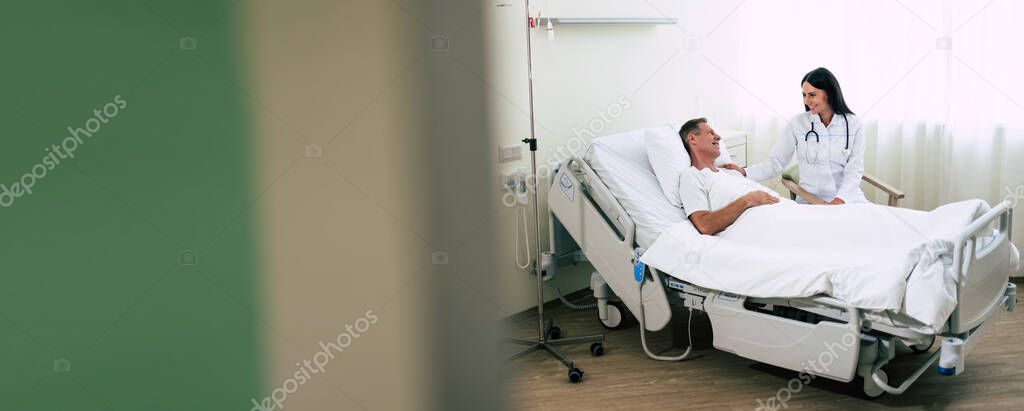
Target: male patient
713,197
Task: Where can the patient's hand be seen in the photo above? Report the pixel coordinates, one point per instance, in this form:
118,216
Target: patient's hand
713,222
757,197
837,201
734,167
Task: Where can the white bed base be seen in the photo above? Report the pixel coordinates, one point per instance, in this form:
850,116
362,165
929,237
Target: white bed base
852,345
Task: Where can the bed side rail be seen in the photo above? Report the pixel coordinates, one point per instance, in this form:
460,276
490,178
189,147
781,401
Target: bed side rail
982,270
594,188
605,233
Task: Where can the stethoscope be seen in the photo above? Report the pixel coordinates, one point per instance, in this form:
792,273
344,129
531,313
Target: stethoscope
817,139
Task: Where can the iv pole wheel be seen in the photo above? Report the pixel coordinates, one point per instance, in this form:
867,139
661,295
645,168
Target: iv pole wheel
597,349
575,375
551,332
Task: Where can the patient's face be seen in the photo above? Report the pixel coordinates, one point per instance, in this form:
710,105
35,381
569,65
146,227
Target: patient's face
706,140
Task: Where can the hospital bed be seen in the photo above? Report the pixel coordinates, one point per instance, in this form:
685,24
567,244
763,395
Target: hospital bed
610,204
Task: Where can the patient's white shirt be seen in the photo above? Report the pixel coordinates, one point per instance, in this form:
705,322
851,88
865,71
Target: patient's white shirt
706,190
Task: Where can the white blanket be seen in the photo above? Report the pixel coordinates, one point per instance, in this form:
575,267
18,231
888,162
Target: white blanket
871,256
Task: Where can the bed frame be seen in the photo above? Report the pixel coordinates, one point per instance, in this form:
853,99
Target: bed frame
797,333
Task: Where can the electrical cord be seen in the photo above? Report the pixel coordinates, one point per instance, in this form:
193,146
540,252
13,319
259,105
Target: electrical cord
569,304
526,236
643,329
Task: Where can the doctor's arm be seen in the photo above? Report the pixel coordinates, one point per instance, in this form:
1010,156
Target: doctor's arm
714,222
781,154
849,189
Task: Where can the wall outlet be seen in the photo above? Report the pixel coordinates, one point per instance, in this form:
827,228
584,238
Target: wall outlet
509,181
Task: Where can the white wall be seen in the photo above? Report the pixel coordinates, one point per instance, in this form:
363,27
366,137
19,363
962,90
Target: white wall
591,80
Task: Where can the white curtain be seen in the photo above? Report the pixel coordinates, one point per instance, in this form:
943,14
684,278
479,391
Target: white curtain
937,83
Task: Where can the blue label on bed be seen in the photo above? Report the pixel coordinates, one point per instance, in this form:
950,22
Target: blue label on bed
638,271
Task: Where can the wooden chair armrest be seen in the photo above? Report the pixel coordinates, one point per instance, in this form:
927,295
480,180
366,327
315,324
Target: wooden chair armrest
882,185
894,193
795,188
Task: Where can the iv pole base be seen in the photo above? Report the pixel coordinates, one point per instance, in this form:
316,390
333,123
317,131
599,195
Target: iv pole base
575,374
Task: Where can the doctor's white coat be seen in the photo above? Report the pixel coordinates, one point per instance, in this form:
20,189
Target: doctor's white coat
827,169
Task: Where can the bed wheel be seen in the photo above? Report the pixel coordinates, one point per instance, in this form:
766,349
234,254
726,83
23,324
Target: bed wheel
872,390
617,316
575,375
597,349
554,333
923,348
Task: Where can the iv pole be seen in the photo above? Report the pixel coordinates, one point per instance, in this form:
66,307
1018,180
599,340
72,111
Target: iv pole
544,331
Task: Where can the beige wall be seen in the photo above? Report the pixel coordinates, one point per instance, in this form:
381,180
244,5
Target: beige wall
355,229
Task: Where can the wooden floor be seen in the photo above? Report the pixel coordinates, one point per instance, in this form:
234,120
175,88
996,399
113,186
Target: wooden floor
624,378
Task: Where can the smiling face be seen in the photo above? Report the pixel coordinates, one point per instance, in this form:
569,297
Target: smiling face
815,99
705,141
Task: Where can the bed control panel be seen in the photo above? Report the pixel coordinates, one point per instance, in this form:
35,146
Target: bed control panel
692,296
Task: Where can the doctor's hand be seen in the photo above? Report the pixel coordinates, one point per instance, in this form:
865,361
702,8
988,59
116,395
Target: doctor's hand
837,201
757,197
734,167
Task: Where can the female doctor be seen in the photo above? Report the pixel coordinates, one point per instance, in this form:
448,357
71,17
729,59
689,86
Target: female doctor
827,141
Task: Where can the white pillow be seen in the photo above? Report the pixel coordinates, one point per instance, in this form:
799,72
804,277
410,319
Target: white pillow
621,162
669,158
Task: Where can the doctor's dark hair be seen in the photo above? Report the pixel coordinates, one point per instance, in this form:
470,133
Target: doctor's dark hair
821,78
691,126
